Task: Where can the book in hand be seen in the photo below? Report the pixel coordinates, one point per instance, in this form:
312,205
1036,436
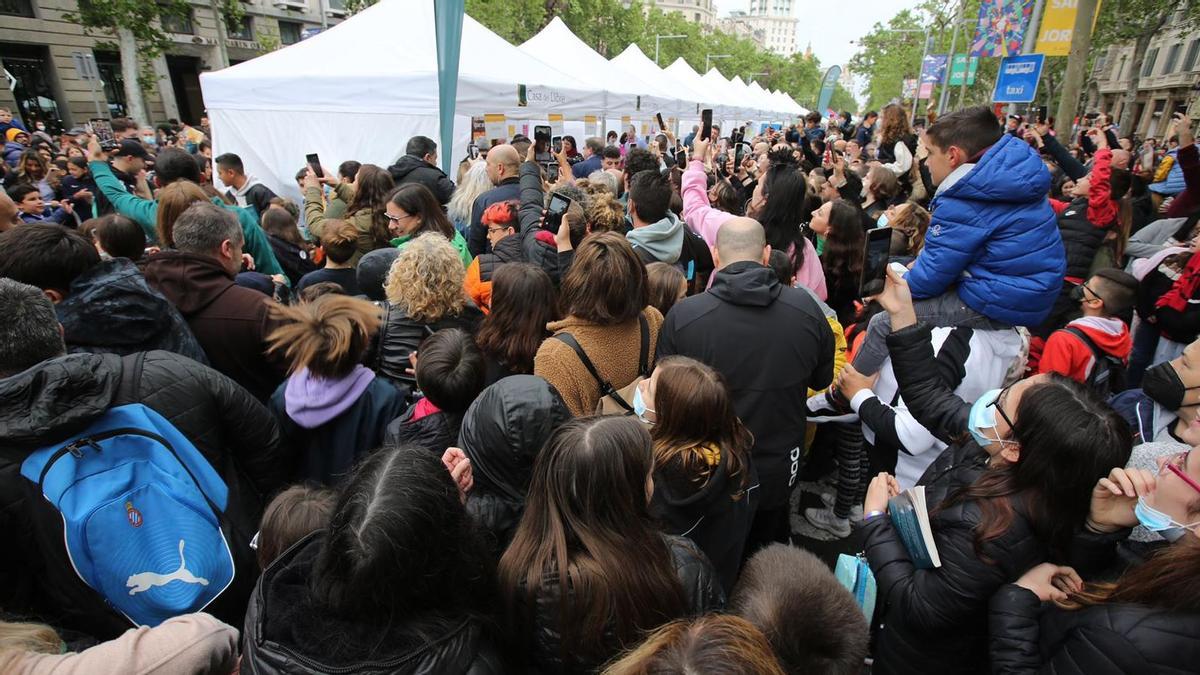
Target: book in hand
910,516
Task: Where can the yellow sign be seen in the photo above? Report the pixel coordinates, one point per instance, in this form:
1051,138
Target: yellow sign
493,125
1058,22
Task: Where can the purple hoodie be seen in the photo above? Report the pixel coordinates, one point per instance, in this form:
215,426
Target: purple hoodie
312,401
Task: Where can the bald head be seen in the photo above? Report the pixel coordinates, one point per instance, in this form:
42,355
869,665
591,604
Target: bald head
502,162
741,239
1120,159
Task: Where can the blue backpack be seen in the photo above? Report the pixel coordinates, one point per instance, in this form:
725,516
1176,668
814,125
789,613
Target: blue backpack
141,513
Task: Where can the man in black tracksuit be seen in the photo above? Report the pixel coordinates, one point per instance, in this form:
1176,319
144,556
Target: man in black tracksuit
772,343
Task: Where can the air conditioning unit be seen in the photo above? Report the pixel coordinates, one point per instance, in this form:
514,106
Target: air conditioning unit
291,4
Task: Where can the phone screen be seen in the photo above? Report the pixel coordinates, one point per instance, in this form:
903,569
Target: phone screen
555,210
706,123
315,163
556,143
541,133
103,131
472,151
875,260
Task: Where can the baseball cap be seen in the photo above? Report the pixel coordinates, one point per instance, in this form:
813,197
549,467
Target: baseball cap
76,131
131,148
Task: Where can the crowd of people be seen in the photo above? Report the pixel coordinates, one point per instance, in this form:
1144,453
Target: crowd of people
560,412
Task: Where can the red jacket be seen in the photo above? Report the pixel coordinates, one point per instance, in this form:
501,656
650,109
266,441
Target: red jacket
1068,355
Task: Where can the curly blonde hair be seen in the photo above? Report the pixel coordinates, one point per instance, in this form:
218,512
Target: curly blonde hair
426,280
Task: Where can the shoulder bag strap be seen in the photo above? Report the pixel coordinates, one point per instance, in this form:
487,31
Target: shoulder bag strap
131,377
606,389
644,355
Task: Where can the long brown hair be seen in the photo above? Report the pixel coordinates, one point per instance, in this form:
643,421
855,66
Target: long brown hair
416,199
173,200
587,527
1069,440
372,185
606,284
842,258
278,222
663,284
895,125
523,302
328,335
695,409
714,643
1166,581
912,222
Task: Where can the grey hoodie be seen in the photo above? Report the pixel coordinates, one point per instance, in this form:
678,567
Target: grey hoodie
663,239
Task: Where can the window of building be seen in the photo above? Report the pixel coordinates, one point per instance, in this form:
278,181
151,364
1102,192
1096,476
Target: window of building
241,30
1189,63
289,32
17,7
109,65
1148,64
177,23
29,66
1172,58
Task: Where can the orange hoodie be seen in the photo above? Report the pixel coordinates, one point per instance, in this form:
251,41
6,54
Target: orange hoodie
1068,355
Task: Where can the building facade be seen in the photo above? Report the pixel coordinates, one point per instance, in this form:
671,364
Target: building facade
769,23
37,45
1169,80
700,12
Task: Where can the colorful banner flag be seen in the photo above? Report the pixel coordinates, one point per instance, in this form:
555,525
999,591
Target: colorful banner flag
827,85
933,68
910,88
926,90
1000,30
1058,22
962,63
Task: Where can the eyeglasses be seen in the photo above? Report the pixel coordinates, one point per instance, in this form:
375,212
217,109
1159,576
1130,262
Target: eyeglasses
500,228
1003,396
1096,296
1178,465
396,219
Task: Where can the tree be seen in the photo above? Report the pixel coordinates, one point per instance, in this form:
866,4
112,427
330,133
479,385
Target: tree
140,38
1122,21
887,58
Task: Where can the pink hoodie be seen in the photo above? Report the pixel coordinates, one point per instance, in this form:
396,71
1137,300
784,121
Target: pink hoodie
704,220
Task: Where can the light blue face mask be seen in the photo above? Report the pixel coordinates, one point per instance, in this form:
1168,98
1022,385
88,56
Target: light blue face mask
639,405
1156,521
983,416
882,221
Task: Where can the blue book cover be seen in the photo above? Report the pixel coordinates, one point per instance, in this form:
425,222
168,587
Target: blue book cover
911,520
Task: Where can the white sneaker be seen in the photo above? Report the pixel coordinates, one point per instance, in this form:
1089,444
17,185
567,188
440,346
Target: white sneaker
824,519
856,512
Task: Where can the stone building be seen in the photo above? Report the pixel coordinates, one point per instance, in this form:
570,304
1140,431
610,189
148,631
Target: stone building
1169,80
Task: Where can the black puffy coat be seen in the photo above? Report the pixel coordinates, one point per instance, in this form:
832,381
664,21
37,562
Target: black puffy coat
409,169
502,434
433,432
701,589
110,309
58,398
400,335
286,631
1081,238
295,261
1107,639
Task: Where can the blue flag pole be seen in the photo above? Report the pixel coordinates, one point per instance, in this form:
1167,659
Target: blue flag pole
448,22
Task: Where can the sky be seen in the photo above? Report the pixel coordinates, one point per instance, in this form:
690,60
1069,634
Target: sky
831,31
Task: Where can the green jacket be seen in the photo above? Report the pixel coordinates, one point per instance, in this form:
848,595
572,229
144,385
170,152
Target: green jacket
458,241
144,212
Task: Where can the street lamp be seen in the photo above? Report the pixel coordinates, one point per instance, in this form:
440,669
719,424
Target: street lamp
657,38
713,57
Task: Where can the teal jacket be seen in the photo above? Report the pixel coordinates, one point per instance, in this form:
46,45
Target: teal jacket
144,212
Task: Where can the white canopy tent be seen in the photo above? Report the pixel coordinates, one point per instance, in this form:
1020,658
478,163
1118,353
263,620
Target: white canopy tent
625,92
361,89
634,63
741,110
717,100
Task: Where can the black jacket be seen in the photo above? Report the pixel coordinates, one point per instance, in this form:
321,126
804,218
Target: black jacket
509,189
716,516
530,216
110,309
1081,238
409,169
400,335
434,432
1107,639
543,653
772,343
295,261
502,433
58,398
286,631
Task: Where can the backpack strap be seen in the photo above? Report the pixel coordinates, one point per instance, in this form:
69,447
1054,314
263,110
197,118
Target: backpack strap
644,354
1086,340
131,376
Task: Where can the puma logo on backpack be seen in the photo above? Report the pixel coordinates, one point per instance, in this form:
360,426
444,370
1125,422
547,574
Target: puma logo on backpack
141,511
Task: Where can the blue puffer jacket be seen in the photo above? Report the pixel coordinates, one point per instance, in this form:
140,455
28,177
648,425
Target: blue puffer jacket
994,234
